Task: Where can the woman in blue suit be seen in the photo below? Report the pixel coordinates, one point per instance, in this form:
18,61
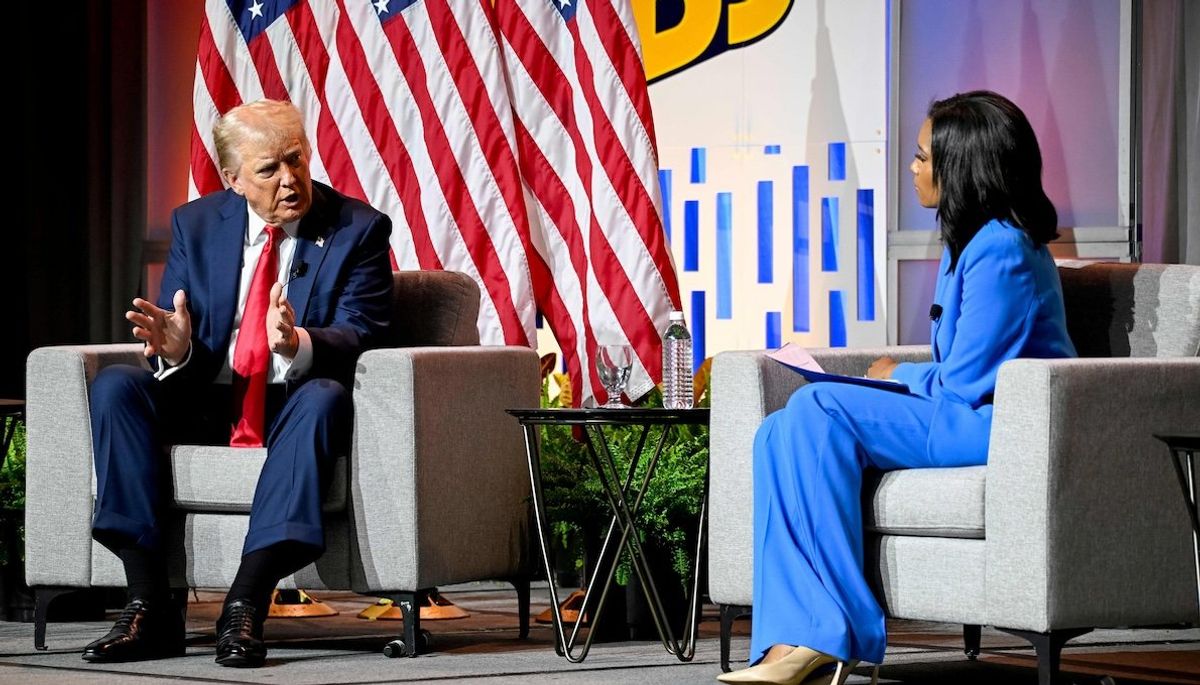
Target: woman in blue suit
978,163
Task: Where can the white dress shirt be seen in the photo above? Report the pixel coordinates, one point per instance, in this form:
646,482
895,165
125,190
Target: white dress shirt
281,368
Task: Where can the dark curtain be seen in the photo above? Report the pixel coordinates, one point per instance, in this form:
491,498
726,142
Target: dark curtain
72,260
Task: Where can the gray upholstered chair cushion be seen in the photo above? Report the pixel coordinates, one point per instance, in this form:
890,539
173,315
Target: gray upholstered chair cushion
943,503
434,309
1133,310
218,478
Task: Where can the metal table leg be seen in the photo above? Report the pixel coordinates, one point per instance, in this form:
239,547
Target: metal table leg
623,515
623,518
1184,461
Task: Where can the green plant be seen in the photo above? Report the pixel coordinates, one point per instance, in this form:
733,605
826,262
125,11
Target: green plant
12,488
668,516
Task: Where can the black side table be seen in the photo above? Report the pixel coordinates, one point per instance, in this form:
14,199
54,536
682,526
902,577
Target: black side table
1184,448
625,498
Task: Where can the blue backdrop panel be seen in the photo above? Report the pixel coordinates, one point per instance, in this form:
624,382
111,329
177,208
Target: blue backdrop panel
837,318
866,255
724,255
691,235
774,330
699,170
829,233
800,322
766,232
698,329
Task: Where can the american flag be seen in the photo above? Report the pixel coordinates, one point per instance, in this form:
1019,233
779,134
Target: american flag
512,142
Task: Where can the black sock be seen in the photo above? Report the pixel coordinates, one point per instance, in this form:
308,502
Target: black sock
262,569
146,573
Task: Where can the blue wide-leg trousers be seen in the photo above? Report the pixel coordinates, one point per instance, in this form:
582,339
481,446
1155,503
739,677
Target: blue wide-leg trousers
135,415
809,585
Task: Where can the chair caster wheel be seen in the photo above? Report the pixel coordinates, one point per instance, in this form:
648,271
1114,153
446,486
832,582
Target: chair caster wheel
398,648
972,654
395,648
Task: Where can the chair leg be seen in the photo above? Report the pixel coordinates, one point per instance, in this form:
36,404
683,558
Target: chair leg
521,584
179,598
729,612
414,641
971,640
1049,648
42,597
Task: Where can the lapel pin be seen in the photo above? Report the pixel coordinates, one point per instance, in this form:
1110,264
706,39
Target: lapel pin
321,241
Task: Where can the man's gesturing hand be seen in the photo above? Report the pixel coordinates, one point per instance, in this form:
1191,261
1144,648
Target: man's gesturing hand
281,324
166,334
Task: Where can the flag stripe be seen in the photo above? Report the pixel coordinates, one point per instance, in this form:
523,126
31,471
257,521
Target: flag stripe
488,129
330,145
263,58
477,137
559,210
547,77
386,138
449,176
635,320
217,78
624,56
204,172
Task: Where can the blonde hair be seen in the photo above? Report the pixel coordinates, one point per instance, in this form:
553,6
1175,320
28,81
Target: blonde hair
268,121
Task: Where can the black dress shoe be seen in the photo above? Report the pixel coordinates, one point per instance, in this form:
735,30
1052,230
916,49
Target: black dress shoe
239,636
144,630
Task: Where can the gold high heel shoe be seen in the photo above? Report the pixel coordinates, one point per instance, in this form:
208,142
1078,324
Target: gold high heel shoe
838,676
790,670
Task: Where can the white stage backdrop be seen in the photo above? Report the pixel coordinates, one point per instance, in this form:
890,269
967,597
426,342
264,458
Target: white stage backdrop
772,118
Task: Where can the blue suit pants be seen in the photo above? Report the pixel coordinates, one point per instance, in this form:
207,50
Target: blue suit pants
809,457
135,416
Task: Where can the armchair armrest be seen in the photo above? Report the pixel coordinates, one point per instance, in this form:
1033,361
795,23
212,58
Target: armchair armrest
1084,522
58,468
746,387
439,480
855,362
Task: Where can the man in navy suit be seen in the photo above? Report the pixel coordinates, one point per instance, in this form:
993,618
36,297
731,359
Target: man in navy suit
272,289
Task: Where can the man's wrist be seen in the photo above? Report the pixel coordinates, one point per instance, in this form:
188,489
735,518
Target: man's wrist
292,346
183,356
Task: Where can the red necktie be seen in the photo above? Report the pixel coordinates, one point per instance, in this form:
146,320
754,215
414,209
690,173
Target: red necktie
251,357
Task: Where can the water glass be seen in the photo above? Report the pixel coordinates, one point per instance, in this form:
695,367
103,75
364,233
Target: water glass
613,365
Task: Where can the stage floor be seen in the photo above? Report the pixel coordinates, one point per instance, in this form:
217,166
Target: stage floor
483,648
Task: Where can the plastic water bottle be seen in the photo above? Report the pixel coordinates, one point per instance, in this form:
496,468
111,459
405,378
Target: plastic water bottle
677,364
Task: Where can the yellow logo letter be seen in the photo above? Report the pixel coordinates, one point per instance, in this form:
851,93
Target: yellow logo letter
750,19
677,46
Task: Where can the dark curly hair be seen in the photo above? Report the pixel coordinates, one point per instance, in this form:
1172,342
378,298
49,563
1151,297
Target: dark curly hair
987,165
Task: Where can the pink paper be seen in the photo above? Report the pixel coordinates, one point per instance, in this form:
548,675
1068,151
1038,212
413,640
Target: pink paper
796,357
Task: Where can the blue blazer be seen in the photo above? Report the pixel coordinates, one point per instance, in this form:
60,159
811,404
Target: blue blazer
1002,301
343,297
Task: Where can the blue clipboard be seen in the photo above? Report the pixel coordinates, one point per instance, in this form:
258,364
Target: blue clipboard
820,377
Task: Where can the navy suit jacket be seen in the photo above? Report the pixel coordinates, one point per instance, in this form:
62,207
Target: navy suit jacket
1002,301
343,297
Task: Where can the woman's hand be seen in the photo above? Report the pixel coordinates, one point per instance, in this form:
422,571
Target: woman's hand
882,368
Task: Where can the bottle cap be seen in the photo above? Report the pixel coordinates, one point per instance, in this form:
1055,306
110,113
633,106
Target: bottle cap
676,315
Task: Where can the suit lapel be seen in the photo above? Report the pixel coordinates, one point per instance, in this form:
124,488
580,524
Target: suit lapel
225,266
312,244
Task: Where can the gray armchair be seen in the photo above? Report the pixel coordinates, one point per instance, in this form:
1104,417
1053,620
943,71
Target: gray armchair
1076,521
433,492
